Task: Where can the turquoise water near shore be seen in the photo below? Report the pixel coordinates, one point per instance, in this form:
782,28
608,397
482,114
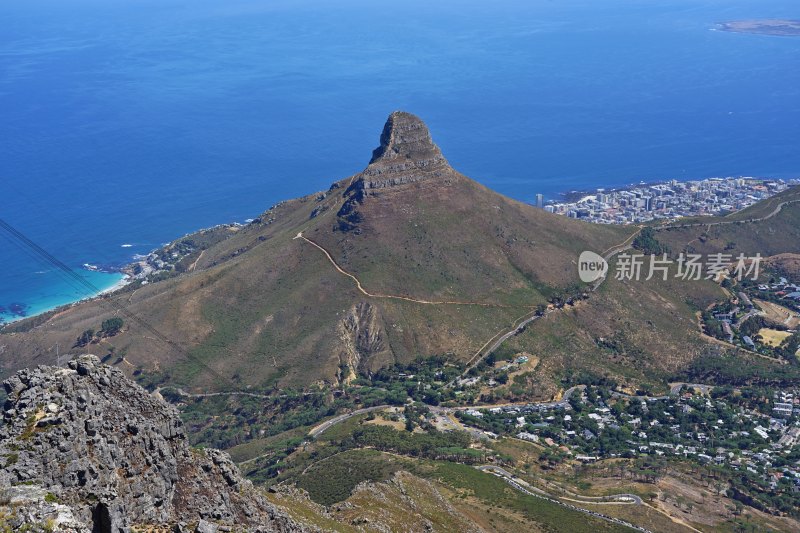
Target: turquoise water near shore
54,293
135,122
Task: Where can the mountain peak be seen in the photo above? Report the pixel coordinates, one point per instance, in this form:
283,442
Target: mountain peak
405,148
405,136
405,156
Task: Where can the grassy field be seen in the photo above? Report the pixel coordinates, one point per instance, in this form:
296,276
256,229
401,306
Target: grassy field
773,337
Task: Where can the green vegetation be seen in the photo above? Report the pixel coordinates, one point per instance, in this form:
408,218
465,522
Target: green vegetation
495,492
85,338
726,369
246,418
432,444
333,479
647,243
111,327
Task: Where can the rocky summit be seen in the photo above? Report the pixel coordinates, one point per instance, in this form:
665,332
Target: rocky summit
86,449
406,153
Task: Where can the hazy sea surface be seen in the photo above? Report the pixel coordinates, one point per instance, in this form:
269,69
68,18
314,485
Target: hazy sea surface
134,122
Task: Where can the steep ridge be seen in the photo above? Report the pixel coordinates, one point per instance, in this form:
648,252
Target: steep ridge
406,155
86,449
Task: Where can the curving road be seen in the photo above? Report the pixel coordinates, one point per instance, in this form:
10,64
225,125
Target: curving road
318,430
525,488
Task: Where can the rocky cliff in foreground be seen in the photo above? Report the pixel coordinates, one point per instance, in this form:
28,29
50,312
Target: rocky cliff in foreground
85,449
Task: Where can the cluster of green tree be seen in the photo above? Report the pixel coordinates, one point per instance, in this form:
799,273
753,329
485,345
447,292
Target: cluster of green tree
789,348
754,491
713,327
496,423
573,377
647,243
419,380
272,463
245,418
551,457
108,328
433,444
568,296
751,398
732,370
754,324
333,479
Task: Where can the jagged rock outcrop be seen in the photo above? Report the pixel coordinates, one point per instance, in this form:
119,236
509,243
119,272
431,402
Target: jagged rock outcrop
86,449
406,154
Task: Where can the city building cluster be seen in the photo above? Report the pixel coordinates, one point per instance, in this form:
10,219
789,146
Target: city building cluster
752,430
671,200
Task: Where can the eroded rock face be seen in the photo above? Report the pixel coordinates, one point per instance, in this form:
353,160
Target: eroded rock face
362,336
406,155
90,450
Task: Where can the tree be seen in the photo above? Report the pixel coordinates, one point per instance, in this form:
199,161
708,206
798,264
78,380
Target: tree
111,326
85,337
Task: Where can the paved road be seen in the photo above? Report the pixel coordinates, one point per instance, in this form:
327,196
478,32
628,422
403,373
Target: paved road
771,214
444,413
675,388
519,329
493,344
318,430
624,498
548,405
526,488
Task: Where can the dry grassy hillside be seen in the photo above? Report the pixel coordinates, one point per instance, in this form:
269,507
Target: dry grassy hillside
443,265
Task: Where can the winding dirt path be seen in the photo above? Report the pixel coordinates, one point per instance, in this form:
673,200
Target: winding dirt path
193,265
519,324
394,296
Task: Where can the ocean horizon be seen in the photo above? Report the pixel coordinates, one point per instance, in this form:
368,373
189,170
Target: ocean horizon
128,124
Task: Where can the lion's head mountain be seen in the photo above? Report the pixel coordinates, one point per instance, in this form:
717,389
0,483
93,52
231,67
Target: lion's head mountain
406,259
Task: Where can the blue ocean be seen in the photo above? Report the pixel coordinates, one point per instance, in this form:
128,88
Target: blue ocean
125,124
